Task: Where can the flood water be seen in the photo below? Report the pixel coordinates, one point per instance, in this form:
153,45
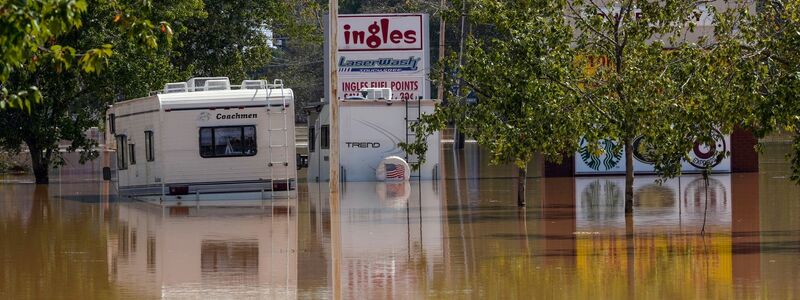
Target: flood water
454,239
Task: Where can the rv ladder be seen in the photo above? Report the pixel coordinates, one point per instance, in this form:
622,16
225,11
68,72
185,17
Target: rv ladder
278,158
413,113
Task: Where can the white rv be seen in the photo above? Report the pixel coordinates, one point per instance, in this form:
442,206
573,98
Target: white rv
370,130
206,139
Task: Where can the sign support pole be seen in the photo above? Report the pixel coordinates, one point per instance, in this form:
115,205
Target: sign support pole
333,101
333,29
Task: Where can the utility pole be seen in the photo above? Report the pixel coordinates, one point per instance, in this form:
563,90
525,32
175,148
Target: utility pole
333,28
333,157
440,94
458,138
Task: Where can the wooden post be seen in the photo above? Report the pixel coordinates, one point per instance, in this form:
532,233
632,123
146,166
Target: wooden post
333,158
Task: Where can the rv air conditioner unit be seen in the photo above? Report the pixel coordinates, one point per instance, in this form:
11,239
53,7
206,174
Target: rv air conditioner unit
254,84
377,94
176,87
199,83
217,85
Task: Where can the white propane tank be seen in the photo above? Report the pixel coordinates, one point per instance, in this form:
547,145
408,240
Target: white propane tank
393,168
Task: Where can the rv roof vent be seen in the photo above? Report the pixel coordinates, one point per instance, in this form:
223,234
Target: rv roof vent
254,84
199,83
217,85
175,87
377,94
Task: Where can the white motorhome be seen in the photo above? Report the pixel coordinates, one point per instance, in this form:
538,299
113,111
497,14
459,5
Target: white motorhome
370,129
206,138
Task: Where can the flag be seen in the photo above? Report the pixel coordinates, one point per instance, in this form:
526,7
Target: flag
395,171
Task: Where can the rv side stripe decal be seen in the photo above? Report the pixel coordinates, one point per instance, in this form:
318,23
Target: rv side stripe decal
206,183
223,107
137,113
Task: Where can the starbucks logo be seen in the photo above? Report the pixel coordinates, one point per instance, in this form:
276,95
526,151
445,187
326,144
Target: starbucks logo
708,154
607,160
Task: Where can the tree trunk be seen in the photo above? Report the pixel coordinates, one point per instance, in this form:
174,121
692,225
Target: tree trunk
521,178
628,176
40,164
630,262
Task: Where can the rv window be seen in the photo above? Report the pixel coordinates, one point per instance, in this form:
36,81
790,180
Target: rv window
228,141
206,145
148,146
324,137
122,144
133,154
311,141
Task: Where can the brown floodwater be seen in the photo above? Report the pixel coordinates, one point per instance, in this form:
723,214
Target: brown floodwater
458,238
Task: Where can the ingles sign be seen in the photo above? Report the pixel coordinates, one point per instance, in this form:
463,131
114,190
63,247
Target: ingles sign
382,51
380,32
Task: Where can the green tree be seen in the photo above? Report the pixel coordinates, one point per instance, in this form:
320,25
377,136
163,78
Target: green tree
29,38
74,99
298,54
663,80
233,38
518,68
767,42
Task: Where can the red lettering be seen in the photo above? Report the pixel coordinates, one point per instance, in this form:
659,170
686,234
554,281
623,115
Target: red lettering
411,36
396,36
358,37
385,27
377,84
410,85
349,86
377,33
373,41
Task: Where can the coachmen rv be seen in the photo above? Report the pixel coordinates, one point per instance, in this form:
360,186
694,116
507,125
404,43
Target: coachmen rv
371,128
205,139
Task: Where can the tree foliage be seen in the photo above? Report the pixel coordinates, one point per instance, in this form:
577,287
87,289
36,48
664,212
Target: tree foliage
29,39
518,69
767,42
73,99
665,77
592,70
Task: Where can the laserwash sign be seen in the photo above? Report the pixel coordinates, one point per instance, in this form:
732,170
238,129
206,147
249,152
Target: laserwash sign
382,51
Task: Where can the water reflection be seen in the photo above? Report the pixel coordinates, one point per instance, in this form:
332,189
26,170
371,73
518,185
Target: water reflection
50,247
671,205
200,251
459,238
574,241
389,236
